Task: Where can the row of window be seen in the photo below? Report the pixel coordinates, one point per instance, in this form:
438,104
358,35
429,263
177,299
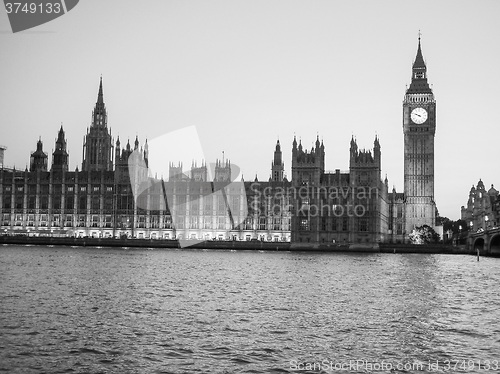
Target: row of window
361,224
44,188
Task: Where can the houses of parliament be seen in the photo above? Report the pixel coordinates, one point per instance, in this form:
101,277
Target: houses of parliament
109,197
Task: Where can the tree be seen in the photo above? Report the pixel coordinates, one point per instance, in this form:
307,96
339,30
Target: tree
424,235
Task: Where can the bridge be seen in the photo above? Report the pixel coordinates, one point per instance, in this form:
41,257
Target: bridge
486,241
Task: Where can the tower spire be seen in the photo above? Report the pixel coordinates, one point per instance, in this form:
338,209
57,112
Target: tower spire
100,98
419,60
98,144
419,82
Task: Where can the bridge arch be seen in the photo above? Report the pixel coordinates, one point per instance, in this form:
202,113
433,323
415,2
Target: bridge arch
479,244
495,244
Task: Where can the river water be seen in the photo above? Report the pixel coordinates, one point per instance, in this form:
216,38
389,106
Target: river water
96,310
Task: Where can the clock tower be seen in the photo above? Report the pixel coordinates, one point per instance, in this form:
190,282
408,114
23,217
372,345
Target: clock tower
419,128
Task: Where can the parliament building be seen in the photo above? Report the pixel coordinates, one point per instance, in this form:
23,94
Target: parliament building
113,194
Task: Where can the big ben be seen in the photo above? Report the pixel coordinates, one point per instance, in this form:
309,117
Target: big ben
419,128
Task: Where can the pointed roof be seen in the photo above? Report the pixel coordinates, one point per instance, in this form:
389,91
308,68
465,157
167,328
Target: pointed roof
419,60
354,145
100,97
60,135
39,145
39,150
419,82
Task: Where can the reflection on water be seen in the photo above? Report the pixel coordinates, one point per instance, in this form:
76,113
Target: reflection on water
171,311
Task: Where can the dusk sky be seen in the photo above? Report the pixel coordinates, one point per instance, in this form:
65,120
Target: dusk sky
246,73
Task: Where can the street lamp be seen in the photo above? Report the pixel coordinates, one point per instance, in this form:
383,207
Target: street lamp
486,219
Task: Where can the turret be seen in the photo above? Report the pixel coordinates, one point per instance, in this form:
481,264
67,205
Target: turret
60,156
98,143
38,159
277,166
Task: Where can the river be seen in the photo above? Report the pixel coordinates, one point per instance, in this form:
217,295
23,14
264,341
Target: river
101,310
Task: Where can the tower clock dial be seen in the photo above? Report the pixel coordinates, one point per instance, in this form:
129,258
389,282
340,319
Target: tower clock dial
419,115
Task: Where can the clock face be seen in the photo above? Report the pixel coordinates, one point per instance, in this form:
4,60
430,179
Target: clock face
419,115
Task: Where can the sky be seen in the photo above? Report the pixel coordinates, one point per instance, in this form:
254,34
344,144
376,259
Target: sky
246,73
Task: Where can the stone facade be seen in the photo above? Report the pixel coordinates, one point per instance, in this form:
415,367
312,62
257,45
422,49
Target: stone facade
338,207
483,208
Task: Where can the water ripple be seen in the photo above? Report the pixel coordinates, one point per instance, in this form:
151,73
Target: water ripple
170,311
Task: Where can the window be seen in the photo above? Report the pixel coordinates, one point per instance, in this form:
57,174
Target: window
304,224
179,223
95,202
193,222
32,202
108,203
221,223
221,204
276,223
107,221
56,202
154,222
6,219
345,224
305,203
19,202
167,222
6,202
69,202
363,224
262,223
142,221
323,223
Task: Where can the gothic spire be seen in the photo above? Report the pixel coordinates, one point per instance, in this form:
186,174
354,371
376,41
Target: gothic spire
419,74
60,136
100,98
419,60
